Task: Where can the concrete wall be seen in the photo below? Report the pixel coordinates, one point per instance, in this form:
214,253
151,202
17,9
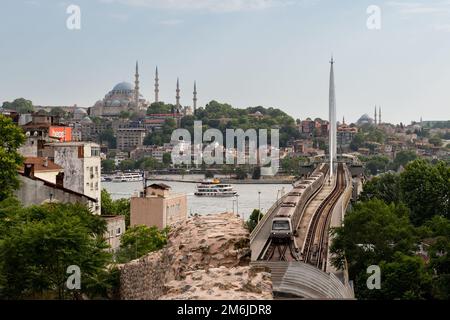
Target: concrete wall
49,176
158,211
77,169
115,229
35,192
147,211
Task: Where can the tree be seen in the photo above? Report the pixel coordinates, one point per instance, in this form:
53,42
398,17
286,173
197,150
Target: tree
58,112
159,108
167,158
39,243
436,141
20,105
241,174
11,137
425,190
108,137
256,175
108,165
139,240
384,187
377,164
253,220
120,207
372,232
403,157
149,164
126,165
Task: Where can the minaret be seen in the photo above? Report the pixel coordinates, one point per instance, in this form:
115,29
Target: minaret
375,118
379,115
178,95
332,119
156,85
195,97
136,86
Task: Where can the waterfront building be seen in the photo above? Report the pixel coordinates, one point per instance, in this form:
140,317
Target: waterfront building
130,138
115,227
158,206
34,190
82,165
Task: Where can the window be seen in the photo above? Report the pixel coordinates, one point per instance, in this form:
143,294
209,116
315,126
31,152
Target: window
96,186
118,231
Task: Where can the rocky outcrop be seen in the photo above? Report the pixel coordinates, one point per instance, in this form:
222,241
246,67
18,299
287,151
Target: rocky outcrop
206,257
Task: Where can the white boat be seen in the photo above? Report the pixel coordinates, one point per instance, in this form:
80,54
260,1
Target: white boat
213,188
128,177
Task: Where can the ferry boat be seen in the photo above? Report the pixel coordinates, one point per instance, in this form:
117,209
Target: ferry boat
213,188
128,177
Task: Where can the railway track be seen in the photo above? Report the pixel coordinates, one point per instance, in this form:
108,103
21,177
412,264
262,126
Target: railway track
280,251
315,250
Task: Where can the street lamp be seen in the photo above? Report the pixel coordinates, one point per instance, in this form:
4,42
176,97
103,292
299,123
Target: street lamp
259,205
237,206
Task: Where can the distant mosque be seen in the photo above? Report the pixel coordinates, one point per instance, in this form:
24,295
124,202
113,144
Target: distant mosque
365,119
126,97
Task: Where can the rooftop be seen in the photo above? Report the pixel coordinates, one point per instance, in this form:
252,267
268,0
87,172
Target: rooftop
41,164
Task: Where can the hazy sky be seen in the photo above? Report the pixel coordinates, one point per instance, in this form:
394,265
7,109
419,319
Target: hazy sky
243,52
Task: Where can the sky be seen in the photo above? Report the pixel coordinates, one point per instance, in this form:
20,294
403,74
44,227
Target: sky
273,53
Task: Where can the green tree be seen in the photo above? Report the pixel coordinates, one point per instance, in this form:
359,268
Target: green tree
20,105
115,207
126,165
425,190
384,187
11,137
253,220
256,175
39,243
377,164
436,141
139,240
372,232
108,137
167,158
403,157
108,165
150,163
241,174
58,112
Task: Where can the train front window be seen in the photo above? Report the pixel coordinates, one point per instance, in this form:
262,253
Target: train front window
280,225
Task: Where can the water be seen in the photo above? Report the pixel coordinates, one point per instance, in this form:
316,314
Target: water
246,202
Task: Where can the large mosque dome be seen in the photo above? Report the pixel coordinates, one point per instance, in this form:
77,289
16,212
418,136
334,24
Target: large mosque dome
123,86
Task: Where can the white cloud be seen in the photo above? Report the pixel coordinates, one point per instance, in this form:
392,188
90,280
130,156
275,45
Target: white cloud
442,27
414,8
171,22
208,5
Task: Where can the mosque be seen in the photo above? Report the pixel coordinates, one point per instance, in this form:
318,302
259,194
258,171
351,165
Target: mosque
126,97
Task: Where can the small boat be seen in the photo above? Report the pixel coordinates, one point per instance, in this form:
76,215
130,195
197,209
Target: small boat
128,177
213,188
106,179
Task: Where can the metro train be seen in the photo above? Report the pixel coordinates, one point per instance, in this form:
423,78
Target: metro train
288,213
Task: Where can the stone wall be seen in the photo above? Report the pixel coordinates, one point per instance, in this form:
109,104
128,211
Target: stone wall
206,257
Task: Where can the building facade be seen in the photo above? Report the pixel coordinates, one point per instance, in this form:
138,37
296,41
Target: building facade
157,206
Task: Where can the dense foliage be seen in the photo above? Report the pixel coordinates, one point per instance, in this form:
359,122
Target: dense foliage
11,137
396,215
115,207
39,243
139,240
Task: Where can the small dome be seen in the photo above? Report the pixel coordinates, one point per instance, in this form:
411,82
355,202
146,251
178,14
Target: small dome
123,86
86,120
115,103
80,111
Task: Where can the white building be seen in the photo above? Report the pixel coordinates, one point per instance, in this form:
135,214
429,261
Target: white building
82,165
